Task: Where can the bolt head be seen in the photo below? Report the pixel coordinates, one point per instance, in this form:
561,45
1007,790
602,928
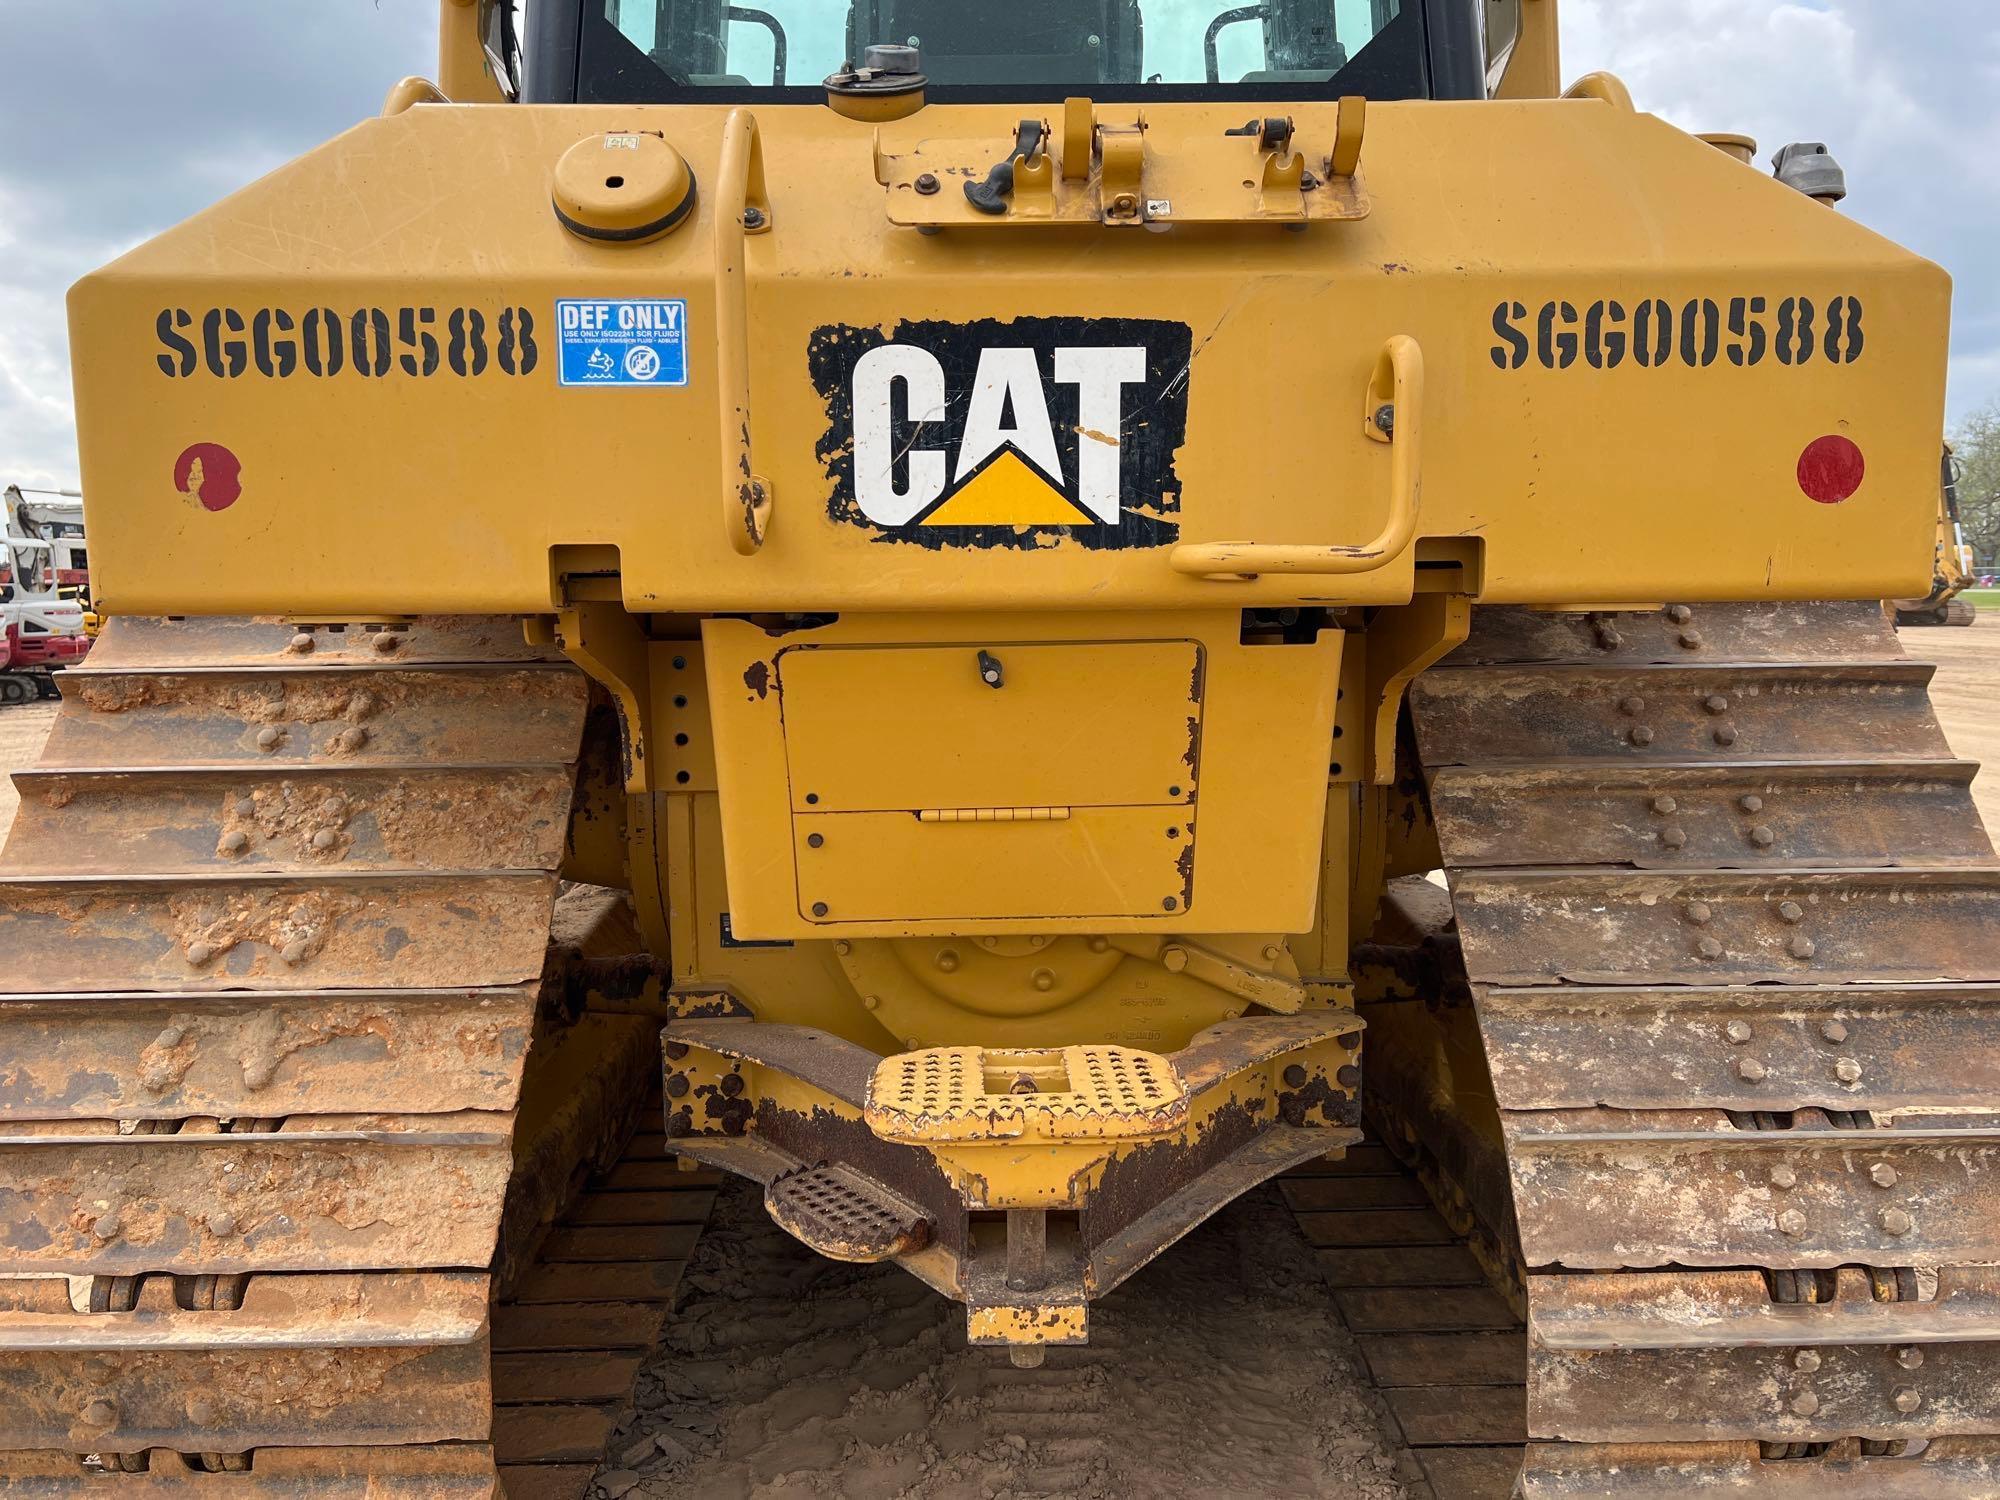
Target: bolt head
1691,639
1750,1070
1641,735
1725,736
1295,1076
1708,947
1763,837
1907,1399
1673,838
326,838
1802,946
1175,959
676,1085
1750,804
1791,911
731,1085
1632,706
1715,703
268,737
386,641
234,842
1847,1070
1784,1177
819,908
1806,1359
1700,913
927,183
223,1224
102,1412
1385,414
106,1226
200,953
201,1411
294,952
1805,1403
1910,1357
1738,1031
171,1036
1792,1222
1833,1031
303,641
1665,805
1896,1221
1882,1175
1044,980
1680,614
947,960
871,1002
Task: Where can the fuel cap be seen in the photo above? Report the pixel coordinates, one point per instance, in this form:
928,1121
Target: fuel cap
622,187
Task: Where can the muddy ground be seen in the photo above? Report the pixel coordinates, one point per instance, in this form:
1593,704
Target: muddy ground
1966,692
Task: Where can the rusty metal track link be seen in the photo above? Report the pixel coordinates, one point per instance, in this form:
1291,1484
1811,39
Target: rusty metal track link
1732,928
274,913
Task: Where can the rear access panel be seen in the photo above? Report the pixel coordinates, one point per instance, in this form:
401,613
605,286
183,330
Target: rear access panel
903,775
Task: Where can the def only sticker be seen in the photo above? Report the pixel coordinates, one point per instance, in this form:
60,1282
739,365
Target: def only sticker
622,341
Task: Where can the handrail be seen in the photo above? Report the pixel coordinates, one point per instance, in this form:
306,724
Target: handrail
741,209
409,91
1394,415
1608,87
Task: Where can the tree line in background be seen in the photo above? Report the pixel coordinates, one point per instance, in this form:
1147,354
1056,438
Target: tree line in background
1976,444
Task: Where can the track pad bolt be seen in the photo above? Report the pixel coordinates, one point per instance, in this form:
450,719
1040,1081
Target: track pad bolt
200,953
385,642
1833,1031
1792,1222
1907,1399
1750,804
1725,736
1691,639
1763,837
1896,1221
257,1074
222,1225
1665,805
1641,735
1673,838
1806,1359
1910,1357
1738,1032
234,842
103,1412
1805,1403
1680,614
1715,703
1882,1175
1801,946
1749,1070
294,952
303,641
1847,1070
1783,1177
201,1411
326,838
268,737
1699,913
1791,911
1709,948
1632,706
106,1228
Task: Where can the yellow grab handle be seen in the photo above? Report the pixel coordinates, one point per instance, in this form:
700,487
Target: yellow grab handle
741,209
1608,88
1394,414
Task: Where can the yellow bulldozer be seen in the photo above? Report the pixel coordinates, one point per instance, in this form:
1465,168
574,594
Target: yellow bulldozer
1018,536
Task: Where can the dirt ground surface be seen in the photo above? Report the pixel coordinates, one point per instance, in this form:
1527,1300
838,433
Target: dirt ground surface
1221,1369
23,727
1966,692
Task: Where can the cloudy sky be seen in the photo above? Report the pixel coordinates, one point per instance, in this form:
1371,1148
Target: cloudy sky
121,117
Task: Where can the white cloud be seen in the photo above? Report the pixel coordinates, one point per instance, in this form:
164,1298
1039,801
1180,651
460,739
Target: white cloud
1906,96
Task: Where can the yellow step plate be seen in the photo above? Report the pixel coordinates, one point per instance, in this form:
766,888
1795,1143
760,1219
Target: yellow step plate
1063,1093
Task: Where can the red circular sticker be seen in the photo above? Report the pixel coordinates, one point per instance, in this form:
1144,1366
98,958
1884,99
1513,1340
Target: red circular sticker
1831,469
210,473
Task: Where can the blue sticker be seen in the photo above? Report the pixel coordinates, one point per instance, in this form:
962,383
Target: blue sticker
622,340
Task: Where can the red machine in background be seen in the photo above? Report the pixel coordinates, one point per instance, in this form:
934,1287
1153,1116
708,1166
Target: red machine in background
44,591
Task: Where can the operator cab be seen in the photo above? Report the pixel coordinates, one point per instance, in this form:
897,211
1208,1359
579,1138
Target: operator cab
708,51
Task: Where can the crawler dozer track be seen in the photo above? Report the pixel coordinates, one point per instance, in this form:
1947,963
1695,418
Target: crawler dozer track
273,917
1732,930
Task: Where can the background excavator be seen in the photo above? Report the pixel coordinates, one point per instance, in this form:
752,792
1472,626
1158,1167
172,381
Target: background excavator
1953,574
1015,538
